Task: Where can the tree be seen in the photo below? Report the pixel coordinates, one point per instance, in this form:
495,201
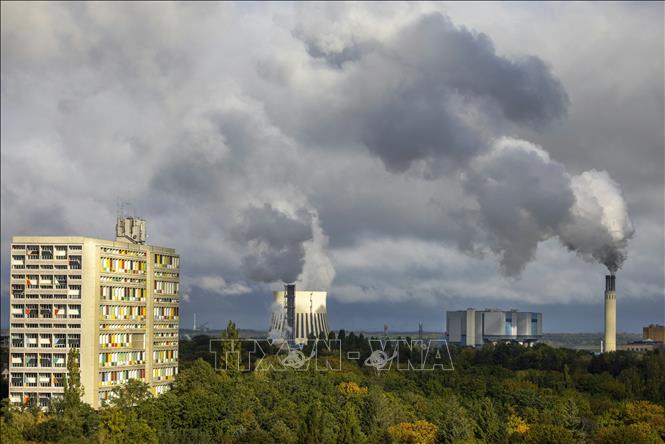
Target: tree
73,390
130,394
419,432
313,425
350,432
231,351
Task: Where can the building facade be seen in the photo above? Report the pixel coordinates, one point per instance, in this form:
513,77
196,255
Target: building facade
116,301
311,317
474,328
655,332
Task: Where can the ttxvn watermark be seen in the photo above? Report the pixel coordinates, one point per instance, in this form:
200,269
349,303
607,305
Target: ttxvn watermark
247,354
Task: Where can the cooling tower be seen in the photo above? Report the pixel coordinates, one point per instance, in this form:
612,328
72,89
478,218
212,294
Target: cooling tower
610,314
310,315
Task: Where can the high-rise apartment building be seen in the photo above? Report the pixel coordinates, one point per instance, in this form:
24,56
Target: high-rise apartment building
117,301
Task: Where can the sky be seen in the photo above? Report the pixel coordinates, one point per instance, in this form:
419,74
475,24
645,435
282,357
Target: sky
409,158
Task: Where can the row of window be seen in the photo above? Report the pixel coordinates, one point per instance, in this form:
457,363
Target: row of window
164,373
164,274
167,343
46,311
165,356
168,313
33,399
131,266
37,379
38,360
118,359
122,312
122,279
166,326
122,326
35,340
36,247
120,376
20,265
62,325
119,340
122,252
166,261
166,287
73,295
127,294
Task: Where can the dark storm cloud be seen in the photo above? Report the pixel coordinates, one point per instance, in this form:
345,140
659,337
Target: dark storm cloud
410,97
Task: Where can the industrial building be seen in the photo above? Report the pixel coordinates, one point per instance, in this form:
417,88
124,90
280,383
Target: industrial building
475,328
653,338
655,332
116,301
299,314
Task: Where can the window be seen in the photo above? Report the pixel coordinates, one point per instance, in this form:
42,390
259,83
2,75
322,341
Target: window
60,282
45,399
31,379
31,360
45,340
74,340
60,340
31,311
17,310
31,339
45,360
58,379
59,360
74,312
44,379
17,360
60,311
17,379
45,311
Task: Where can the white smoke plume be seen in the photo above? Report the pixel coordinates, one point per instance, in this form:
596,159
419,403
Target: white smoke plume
599,226
524,197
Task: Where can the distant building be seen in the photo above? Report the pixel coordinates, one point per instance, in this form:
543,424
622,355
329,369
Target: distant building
644,345
654,332
474,328
116,301
653,338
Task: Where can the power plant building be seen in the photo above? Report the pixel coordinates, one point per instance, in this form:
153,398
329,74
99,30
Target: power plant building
475,328
307,318
116,301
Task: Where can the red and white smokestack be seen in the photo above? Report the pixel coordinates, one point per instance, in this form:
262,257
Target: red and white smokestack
610,313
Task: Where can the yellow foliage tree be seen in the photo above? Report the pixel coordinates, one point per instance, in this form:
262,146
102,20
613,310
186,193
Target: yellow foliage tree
419,432
351,388
516,424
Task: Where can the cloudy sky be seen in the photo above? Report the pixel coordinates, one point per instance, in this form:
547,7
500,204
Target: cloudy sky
408,158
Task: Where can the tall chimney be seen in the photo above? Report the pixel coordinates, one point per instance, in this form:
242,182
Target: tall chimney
290,296
610,314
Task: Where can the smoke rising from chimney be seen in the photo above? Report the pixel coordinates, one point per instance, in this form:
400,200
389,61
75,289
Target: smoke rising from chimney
274,243
281,246
525,197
